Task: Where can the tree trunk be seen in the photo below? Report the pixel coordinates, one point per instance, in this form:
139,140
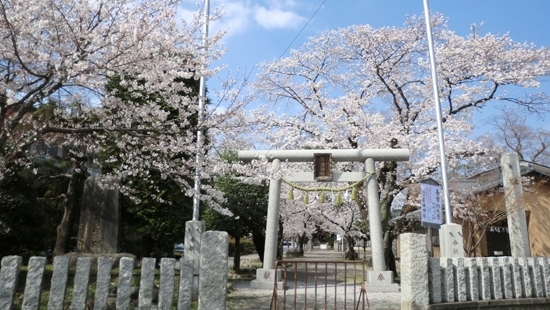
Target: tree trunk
468,248
69,203
350,253
237,256
301,242
258,238
387,178
147,245
280,241
388,253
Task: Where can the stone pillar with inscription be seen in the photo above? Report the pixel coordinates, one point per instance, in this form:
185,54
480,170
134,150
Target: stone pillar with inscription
450,240
99,219
193,235
517,222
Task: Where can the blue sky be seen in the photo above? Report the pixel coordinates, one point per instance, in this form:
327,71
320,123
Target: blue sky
262,30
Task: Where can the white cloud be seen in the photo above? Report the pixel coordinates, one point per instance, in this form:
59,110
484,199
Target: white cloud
185,14
277,18
239,15
281,3
235,18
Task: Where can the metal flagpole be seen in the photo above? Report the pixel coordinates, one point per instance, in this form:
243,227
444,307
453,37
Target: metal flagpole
448,218
202,98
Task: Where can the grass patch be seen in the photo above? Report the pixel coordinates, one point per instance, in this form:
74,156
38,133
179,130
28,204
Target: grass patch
247,271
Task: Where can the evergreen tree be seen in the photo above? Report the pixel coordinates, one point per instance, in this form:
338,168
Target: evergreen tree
248,204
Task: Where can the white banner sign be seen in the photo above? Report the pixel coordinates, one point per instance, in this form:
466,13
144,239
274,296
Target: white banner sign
431,205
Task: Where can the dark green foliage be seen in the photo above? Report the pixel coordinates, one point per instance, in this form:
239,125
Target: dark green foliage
248,203
59,188
150,228
19,219
31,207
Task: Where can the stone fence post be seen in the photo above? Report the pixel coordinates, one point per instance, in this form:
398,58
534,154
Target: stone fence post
212,289
213,270
8,280
414,272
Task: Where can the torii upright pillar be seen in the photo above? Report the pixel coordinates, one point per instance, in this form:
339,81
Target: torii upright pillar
272,224
379,278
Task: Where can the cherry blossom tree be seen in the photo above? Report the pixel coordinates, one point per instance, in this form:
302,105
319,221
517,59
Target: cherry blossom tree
514,132
481,208
360,87
327,209
296,224
63,52
58,56
340,219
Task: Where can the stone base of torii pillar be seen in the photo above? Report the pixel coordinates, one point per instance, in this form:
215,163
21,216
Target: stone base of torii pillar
265,279
381,281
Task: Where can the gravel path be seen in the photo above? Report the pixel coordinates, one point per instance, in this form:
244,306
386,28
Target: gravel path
244,298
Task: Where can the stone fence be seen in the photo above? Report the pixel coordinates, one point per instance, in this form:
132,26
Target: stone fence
482,280
211,288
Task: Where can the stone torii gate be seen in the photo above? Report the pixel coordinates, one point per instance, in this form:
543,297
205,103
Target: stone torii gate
379,275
